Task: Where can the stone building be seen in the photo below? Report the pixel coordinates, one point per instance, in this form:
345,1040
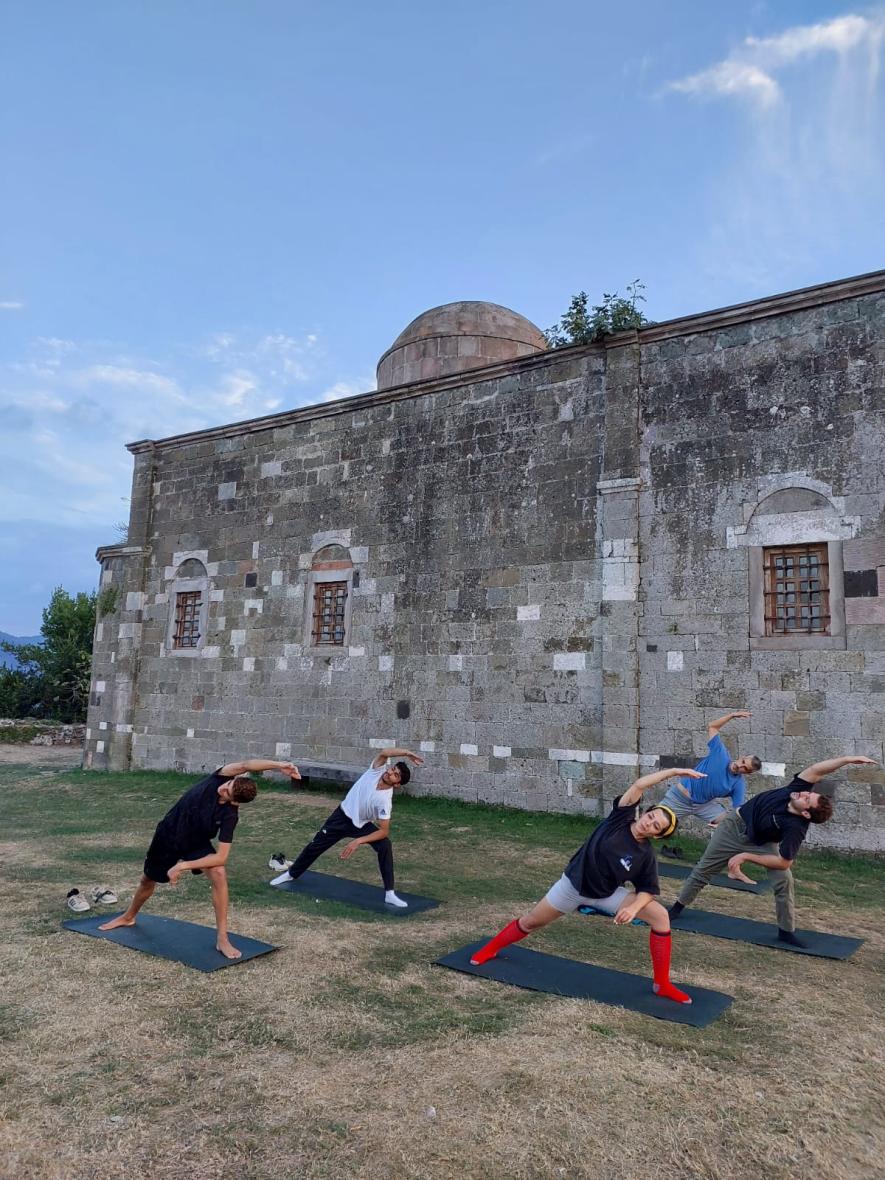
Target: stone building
546,569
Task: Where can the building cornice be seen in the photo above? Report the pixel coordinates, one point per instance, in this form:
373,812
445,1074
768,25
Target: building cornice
709,321
103,552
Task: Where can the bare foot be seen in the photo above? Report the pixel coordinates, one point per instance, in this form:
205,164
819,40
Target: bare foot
115,922
227,948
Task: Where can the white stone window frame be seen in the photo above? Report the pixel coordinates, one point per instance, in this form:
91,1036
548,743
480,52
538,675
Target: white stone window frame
314,579
184,586
824,525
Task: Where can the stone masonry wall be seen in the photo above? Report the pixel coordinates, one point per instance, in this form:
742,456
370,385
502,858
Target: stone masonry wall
730,418
555,569
470,517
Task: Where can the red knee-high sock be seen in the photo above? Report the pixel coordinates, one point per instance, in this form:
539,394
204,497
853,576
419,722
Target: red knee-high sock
512,933
659,945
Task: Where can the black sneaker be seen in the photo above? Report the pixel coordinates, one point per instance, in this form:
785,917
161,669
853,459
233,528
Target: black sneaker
279,862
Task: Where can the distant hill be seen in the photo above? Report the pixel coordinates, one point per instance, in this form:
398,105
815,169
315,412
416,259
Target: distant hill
7,659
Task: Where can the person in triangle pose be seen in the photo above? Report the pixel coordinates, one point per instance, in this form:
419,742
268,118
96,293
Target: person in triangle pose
362,818
768,830
619,852
183,840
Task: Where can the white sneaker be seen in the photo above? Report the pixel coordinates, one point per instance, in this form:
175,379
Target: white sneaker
278,861
391,898
102,896
77,902
281,879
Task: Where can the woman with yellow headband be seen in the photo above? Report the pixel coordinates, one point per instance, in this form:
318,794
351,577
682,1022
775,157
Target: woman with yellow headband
616,854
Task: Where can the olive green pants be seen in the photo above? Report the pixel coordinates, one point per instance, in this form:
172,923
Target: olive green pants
729,839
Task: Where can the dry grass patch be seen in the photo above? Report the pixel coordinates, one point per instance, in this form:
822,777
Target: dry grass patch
347,1054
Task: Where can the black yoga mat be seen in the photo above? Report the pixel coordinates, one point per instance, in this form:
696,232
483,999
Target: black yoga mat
583,981
823,946
721,879
323,887
167,938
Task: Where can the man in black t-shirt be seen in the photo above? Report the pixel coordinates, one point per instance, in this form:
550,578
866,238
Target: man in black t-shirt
183,840
616,854
768,830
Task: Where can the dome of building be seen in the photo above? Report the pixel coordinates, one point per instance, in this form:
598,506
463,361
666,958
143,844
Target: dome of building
455,337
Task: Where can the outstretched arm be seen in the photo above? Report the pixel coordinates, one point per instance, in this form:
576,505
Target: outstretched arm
819,770
203,862
382,834
634,793
396,752
256,765
714,726
768,861
628,911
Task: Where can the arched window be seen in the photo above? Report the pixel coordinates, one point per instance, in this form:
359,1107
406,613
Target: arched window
794,536
329,598
188,608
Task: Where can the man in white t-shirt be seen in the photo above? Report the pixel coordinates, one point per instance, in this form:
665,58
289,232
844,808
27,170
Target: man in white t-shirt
364,817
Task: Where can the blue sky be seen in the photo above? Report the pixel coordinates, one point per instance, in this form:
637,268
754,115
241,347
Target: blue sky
214,210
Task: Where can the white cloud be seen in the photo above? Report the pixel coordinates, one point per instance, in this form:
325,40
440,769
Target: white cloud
804,171
732,77
69,407
347,389
11,305
748,71
835,36
283,358
147,383
236,387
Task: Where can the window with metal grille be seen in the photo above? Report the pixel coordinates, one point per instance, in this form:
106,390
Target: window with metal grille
797,590
329,600
187,618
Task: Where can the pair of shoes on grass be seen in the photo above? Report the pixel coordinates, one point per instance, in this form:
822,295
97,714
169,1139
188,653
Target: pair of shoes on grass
278,862
99,895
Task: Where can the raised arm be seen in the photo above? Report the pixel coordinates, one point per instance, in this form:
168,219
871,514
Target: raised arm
714,726
634,793
396,752
256,765
819,770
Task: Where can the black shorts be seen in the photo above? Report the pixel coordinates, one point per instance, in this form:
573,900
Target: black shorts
163,854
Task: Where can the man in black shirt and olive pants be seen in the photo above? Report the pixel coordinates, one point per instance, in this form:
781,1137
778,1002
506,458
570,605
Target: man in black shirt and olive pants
767,830
183,840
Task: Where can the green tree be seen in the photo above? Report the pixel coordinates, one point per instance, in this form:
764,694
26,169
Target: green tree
63,660
20,692
582,324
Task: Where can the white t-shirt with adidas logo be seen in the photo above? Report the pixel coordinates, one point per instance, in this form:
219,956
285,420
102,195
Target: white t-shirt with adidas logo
364,803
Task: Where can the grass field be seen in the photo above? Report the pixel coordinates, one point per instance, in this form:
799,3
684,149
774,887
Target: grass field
346,1054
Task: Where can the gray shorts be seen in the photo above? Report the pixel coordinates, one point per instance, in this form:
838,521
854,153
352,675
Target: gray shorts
683,806
564,897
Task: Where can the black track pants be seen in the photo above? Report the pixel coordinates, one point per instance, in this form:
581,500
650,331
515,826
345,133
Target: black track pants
339,827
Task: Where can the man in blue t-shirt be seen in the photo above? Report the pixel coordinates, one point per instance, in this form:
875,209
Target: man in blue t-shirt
724,779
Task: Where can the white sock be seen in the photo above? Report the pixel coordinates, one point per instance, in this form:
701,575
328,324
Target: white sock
391,898
283,877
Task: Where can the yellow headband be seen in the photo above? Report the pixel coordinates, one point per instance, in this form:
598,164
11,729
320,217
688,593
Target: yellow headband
671,827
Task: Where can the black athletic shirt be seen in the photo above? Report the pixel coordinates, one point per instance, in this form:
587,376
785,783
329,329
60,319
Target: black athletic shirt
199,815
612,856
769,820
